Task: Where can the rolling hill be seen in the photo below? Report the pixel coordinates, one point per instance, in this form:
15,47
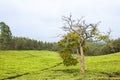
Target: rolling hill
46,65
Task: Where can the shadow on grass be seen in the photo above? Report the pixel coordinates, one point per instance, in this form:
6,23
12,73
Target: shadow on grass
19,75
68,71
91,74
114,74
15,76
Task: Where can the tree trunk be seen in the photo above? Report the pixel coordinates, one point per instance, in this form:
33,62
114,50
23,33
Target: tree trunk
82,60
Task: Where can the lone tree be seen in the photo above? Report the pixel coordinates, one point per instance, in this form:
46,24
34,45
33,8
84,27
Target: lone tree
5,36
81,32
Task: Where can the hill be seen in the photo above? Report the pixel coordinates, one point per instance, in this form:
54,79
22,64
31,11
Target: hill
46,65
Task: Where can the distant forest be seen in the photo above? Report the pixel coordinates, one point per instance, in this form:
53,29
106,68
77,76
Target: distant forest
22,43
9,42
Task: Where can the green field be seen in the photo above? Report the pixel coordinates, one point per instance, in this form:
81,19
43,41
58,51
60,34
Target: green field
44,65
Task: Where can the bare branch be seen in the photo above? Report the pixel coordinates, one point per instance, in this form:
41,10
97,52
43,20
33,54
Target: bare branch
80,27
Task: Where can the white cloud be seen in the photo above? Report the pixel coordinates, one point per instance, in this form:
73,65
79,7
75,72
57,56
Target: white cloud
41,19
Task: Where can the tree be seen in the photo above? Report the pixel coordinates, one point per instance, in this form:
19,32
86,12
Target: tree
84,32
108,47
93,48
5,36
116,45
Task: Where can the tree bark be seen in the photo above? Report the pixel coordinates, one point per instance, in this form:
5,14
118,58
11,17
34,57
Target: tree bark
82,60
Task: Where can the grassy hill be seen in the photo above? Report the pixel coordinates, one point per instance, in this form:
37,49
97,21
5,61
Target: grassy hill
45,65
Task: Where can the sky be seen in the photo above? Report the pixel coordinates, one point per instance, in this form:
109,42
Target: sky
41,19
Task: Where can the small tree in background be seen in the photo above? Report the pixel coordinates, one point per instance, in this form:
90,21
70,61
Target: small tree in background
5,36
116,45
81,32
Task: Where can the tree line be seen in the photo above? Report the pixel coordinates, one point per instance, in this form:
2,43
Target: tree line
22,43
9,42
100,48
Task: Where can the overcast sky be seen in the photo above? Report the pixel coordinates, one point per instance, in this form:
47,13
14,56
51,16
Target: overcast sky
41,19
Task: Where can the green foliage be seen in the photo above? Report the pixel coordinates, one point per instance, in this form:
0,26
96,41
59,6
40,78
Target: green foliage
68,59
93,48
68,42
112,47
116,45
101,48
106,50
5,36
22,43
103,37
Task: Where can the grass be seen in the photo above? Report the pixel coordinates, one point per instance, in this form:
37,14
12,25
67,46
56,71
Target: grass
39,65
